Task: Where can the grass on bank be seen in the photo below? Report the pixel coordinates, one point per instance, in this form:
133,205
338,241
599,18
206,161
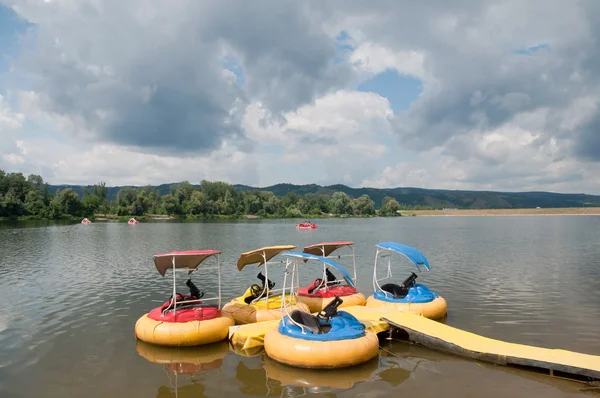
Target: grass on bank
579,211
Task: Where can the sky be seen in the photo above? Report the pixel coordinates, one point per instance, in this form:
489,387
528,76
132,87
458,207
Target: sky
485,95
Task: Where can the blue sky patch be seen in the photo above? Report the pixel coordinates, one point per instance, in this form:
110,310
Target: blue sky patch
11,27
231,63
401,91
343,46
533,49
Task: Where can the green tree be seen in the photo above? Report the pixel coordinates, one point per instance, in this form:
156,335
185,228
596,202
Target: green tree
12,205
66,203
363,206
198,204
389,207
252,202
100,190
90,202
340,203
35,181
170,205
34,204
182,192
272,205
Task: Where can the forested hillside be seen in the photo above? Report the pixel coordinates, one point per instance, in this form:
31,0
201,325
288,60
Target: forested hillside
407,197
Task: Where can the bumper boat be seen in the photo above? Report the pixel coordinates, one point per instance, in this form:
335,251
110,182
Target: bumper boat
306,225
329,340
323,290
185,320
409,296
261,303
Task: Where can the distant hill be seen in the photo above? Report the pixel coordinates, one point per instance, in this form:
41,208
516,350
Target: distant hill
410,196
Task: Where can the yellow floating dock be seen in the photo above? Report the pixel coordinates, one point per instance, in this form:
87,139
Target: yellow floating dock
445,338
252,335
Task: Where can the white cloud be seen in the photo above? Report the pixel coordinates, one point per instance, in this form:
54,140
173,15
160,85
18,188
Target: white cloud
371,59
10,121
117,165
11,124
335,139
110,96
505,159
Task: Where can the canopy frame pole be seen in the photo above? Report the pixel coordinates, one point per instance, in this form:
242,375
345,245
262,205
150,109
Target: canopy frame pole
323,280
297,278
376,286
354,264
219,278
284,301
266,286
174,288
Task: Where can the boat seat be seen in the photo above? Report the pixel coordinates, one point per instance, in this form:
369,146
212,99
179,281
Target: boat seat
309,321
396,290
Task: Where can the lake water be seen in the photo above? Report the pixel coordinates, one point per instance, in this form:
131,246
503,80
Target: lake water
71,295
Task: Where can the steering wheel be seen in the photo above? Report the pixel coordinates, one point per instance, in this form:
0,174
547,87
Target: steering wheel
317,284
177,294
256,290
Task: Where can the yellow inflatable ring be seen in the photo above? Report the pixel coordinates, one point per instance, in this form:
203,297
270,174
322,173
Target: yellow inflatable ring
433,310
183,333
261,311
321,354
316,304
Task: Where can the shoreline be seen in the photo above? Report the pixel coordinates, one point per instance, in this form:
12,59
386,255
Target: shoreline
559,211
566,211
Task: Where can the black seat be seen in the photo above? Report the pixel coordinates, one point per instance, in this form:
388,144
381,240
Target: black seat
307,320
396,290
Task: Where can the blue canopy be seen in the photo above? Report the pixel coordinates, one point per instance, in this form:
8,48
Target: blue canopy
409,252
329,262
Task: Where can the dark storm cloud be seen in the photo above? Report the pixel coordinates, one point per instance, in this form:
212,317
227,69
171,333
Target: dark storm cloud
150,74
284,51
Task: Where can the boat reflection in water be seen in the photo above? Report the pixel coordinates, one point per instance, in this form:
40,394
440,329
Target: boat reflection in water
189,361
271,378
191,371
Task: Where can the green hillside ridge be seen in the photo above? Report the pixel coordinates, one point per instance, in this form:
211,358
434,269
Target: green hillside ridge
408,196
31,198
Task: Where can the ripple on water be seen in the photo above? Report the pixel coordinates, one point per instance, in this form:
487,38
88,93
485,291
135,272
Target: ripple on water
74,293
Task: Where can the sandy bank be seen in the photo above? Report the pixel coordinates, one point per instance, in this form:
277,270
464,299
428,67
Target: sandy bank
568,211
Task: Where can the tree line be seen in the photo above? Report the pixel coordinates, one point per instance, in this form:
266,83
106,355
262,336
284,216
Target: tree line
29,198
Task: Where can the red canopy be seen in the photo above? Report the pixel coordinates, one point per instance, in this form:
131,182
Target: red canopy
329,247
184,259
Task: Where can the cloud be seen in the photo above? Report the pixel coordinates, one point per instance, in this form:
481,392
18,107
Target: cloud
117,165
505,159
150,74
11,123
339,137
510,92
369,60
480,79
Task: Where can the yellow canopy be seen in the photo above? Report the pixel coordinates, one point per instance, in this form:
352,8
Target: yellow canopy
256,256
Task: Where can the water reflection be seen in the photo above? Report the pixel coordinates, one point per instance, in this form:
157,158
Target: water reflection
319,380
198,371
192,362
72,294
248,352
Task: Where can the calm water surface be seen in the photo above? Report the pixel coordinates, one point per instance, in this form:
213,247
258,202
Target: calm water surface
71,295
